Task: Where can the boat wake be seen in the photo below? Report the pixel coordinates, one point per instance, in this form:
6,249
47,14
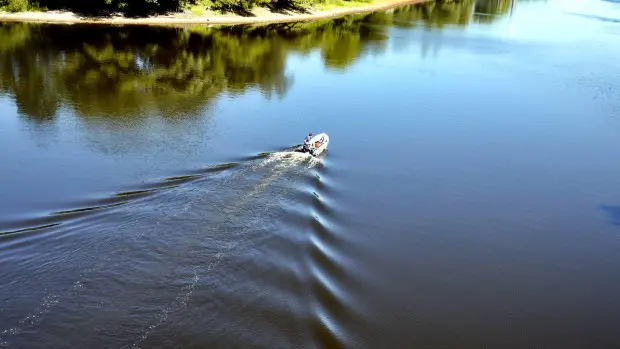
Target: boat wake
287,159
206,216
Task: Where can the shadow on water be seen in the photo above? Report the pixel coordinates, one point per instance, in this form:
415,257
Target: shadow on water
613,212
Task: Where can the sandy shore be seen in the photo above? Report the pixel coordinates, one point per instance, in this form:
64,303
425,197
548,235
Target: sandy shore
261,15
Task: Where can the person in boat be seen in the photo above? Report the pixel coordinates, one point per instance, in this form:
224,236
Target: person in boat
307,141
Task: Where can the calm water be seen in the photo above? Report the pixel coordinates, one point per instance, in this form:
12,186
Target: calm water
470,197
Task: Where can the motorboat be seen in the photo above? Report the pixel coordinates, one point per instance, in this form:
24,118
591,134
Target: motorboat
316,146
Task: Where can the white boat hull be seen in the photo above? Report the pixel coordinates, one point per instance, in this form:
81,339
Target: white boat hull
318,144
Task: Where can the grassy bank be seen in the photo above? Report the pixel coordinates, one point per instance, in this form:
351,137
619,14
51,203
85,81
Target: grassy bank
203,12
143,8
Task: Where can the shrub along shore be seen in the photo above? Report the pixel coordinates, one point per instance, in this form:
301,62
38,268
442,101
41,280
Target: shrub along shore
186,11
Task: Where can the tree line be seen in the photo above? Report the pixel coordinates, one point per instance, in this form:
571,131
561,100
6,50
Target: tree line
129,7
148,7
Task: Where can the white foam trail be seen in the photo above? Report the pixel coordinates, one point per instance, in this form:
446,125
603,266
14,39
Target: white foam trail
179,303
290,158
281,163
45,306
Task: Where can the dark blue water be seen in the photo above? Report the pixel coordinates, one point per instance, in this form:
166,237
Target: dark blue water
470,196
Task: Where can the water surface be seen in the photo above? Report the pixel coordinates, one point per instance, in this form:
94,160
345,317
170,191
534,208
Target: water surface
470,196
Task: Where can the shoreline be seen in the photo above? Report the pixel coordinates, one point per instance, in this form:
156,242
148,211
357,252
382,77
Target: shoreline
261,15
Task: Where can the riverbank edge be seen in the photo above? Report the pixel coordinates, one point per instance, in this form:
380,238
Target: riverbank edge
263,16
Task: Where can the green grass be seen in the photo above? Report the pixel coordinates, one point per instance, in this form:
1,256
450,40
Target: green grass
207,8
201,7
35,7
334,4
198,10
